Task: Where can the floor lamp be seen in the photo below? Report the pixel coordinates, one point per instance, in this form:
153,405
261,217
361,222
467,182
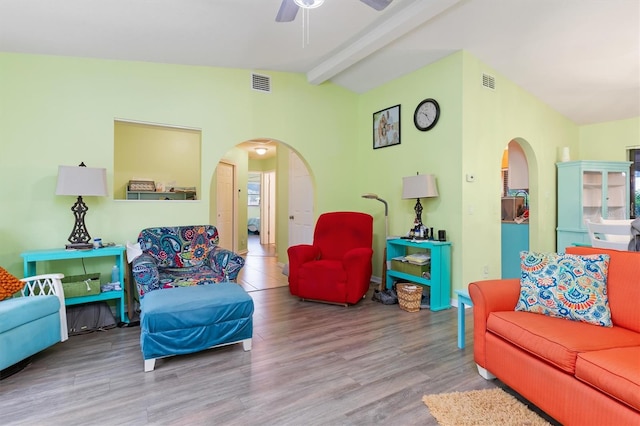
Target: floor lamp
383,280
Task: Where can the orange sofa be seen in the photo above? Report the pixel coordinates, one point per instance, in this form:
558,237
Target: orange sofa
578,373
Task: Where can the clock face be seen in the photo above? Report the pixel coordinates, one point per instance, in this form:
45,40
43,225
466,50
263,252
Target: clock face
426,114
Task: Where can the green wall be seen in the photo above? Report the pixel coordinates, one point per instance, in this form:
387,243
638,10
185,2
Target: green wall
609,141
475,126
265,164
57,110
490,119
437,152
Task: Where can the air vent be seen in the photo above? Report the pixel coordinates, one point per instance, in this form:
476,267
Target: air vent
488,81
261,83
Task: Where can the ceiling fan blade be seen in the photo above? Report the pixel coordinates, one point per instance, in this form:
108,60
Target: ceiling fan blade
287,12
377,4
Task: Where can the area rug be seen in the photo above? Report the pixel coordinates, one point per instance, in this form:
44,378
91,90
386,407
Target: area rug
480,407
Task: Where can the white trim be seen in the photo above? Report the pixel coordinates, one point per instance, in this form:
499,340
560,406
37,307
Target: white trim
149,123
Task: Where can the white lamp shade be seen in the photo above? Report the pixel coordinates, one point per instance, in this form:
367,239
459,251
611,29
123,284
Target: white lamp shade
419,186
77,180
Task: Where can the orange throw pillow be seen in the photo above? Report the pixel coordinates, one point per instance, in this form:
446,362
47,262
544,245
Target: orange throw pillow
8,284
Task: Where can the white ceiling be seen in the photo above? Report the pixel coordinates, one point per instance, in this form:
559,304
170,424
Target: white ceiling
581,57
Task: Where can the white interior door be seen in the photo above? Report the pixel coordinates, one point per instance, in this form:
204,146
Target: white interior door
225,204
268,208
300,202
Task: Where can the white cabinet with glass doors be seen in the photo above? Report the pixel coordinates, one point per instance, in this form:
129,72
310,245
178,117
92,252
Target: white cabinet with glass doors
589,190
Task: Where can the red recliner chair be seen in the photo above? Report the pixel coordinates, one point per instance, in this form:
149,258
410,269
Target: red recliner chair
336,268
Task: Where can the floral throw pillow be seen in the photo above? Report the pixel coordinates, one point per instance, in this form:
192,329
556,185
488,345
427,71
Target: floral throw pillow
566,286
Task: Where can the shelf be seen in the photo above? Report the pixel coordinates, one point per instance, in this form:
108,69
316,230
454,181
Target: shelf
409,277
161,196
107,295
440,282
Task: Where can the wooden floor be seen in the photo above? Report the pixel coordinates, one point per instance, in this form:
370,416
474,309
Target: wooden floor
311,364
261,270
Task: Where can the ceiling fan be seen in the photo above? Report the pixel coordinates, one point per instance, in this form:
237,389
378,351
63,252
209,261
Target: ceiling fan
289,9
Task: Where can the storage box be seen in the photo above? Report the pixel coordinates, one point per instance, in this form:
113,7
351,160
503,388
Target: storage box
142,185
81,285
410,268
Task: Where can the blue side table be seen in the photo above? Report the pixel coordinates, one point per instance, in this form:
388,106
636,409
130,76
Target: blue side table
463,300
31,258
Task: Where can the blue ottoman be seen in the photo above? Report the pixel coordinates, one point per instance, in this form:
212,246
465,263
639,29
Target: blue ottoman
183,320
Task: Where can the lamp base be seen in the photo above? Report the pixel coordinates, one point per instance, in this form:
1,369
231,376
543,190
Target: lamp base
79,238
78,246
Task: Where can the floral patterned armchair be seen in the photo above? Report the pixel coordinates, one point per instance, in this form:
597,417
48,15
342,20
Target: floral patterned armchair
182,256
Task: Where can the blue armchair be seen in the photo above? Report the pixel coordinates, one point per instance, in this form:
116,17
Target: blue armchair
182,256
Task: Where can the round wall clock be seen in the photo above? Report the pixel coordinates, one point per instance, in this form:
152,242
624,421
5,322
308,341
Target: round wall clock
426,115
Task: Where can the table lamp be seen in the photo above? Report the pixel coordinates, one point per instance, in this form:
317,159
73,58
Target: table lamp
419,186
79,181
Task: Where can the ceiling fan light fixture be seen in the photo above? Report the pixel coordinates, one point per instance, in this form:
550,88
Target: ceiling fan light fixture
308,4
261,151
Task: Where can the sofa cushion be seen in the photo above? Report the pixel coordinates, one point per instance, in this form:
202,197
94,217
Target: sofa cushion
21,310
556,340
615,372
184,277
186,308
179,246
189,319
317,274
622,285
567,286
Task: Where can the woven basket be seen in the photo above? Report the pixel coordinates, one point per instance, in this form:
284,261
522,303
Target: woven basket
409,296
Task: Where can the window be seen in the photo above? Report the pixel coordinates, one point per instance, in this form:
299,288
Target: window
253,189
505,182
634,157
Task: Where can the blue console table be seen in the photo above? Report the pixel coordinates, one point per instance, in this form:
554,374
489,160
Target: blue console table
32,257
440,281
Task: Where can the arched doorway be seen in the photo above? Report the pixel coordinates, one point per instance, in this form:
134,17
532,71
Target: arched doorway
515,206
281,175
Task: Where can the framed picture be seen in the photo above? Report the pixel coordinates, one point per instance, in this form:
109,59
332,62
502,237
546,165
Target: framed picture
386,127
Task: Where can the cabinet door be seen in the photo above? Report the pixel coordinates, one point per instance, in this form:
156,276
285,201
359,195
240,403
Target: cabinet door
591,195
615,204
